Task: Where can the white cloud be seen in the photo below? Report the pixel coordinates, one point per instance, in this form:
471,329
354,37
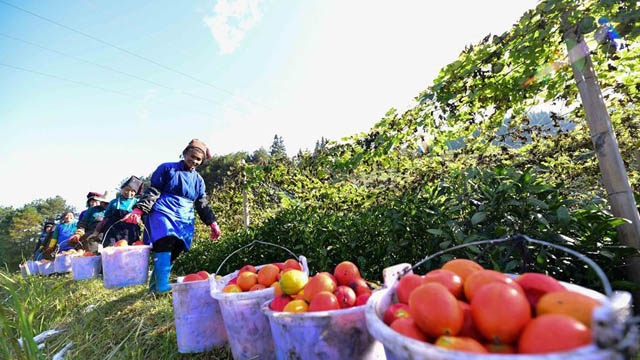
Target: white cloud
231,21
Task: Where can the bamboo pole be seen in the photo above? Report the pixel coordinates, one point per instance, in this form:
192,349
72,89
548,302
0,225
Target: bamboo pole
614,174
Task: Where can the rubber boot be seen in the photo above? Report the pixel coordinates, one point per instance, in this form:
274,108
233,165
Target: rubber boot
162,269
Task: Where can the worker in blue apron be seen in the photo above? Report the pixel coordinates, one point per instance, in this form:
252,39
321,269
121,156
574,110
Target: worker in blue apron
61,234
176,189
113,227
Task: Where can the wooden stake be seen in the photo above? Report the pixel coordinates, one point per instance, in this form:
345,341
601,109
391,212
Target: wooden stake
614,174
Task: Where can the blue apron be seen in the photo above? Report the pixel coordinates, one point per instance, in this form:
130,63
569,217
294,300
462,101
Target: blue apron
173,213
64,233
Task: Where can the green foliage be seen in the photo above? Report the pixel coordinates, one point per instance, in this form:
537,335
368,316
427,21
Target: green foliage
20,228
462,207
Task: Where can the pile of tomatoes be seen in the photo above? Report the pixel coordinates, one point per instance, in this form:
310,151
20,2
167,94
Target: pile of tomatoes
464,307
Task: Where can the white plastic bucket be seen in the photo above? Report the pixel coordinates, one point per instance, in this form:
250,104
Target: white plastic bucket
247,327
85,267
400,347
45,268
125,265
337,334
607,325
33,267
24,270
62,263
197,317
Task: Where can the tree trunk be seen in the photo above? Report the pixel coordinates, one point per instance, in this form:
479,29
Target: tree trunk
614,175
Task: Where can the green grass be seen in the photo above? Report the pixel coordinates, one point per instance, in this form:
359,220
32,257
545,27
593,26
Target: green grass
126,323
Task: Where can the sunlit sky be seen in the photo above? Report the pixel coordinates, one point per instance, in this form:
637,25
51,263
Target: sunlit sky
79,113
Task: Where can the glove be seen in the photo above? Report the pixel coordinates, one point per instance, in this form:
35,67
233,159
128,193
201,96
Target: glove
48,250
215,231
75,238
133,217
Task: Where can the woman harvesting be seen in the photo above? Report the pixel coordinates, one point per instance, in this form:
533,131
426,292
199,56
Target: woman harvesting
176,189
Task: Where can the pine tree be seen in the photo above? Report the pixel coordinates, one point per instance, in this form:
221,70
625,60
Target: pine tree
277,147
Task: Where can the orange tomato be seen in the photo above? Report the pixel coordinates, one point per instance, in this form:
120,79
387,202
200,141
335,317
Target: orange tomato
435,310
292,264
463,267
246,280
232,288
576,305
345,272
406,285
448,278
277,291
324,301
407,327
500,312
553,333
257,287
483,277
268,274
460,344
317,284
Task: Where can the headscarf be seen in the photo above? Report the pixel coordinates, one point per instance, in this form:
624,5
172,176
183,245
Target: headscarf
200,145
133,182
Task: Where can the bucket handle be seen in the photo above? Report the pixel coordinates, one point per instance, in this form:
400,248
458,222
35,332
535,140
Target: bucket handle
253,243
523,238
144,228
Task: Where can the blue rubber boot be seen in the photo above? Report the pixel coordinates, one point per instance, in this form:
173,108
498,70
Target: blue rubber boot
162,269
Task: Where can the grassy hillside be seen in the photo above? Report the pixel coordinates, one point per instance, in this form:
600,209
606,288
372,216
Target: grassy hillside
122,324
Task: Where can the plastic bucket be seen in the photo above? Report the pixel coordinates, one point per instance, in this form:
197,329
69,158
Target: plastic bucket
33,267
85,267
337,334
197,317
45,268
125,265
247,327
24,270
399,347
62,263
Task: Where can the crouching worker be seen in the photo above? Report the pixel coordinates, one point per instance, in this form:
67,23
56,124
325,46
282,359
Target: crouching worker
61,236
88,222
45,236
113,227
169,204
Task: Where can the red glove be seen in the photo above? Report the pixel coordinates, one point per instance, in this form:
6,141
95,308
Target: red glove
215,231
133,217
74,239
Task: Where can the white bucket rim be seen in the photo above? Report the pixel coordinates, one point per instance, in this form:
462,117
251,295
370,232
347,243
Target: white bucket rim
84,257
309,314
195,283
113,249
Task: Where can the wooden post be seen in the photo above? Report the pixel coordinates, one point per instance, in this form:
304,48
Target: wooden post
245,201
245,204
614,174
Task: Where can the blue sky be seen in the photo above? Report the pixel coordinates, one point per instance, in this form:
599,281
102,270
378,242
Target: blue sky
300,69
